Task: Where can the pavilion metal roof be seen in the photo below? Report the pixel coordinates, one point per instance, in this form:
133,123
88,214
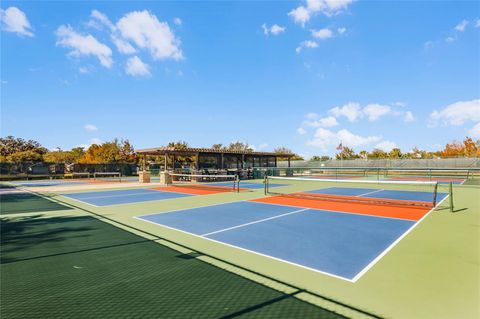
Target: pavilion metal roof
194,150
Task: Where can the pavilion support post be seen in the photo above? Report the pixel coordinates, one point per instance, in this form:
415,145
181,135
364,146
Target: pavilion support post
243,161
288,161
197,161
166,161
222,166
144,175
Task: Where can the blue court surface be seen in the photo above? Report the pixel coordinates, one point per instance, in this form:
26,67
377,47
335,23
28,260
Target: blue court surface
380,193
339,244
127,196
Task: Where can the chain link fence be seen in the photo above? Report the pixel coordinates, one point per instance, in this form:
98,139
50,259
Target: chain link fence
391,163
43,170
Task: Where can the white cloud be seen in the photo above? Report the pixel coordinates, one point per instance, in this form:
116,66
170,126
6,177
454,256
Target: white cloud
336,5
323,122
102,18
147,32
302,14
461,26
16,21
315,5
350,110
95,140
386,146
449,39
122,45
322,34
408,117
84,45
311,116
477,23
324,138
301,131
135,67
274,29
90,127
474,132
306,44
400,104
177,21
341,30
457,113
374,111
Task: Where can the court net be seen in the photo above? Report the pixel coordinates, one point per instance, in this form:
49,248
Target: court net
219,183
107,176
373,192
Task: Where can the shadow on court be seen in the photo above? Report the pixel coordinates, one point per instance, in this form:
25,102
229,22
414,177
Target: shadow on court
83,267
15,203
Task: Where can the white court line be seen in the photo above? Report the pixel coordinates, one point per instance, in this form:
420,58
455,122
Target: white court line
255,222
118,195
79,200
247,250
373,262
368,193
355,279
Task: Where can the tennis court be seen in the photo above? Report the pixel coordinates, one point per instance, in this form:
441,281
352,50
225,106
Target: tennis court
129,196
440,180
341,239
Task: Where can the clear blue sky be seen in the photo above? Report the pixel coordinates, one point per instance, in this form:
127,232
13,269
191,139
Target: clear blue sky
305,75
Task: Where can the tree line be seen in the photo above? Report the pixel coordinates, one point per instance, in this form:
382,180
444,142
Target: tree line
121,151
467,148
116,151
19,150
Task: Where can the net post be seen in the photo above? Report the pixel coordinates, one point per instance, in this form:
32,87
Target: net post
265,182
237,181
450,194
435,188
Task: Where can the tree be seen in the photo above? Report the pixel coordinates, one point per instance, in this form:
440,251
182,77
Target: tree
77,153
363,154
24,156
218,146
454,149
322,158
284,150
470,147
395,153
59,156
178,145
239,146
10,145
377,153
346,153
